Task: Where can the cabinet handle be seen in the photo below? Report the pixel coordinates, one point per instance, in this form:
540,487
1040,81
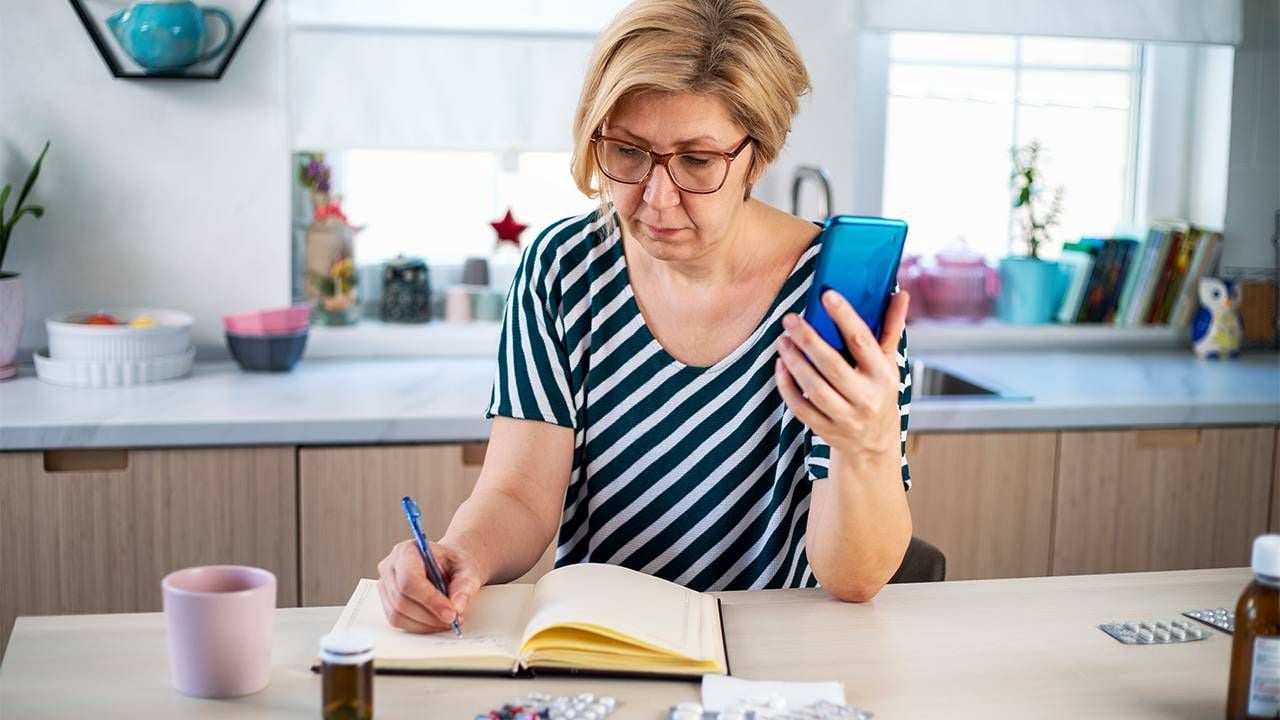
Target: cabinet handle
92,460
1168,438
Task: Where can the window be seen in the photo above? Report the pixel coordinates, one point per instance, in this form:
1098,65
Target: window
425,151
438,204
958,103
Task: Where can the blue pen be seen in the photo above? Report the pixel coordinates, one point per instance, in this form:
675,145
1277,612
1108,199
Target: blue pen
412,512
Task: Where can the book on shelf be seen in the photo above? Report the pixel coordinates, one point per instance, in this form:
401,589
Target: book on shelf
1077,262
1094,290
1107,280
1116,278
1161,239
1178,273
1203,262
1163,274
1136,277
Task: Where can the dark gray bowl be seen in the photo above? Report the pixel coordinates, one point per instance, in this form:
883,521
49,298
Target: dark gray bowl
277,353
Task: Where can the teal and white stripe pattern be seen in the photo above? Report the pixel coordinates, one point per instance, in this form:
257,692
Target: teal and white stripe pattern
696,475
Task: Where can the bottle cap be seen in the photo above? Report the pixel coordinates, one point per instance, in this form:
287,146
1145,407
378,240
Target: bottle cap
1266,556
346,648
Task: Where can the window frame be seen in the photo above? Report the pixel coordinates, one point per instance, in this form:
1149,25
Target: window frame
875,63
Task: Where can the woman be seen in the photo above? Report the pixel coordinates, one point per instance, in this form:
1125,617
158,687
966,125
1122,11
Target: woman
653,403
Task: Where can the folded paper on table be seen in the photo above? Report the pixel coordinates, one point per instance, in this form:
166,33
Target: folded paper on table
720,691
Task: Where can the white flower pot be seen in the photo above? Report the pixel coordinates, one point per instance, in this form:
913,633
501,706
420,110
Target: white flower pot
13,311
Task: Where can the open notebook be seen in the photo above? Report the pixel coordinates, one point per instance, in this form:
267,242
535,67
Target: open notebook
589,619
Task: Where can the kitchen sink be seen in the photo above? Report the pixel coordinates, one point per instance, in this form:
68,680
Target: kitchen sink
933,382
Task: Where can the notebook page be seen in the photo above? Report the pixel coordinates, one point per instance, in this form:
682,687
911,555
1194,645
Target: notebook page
647,609
492,626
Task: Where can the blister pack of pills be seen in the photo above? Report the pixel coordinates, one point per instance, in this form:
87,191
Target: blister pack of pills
769,708
541,706
1141,632
1220,618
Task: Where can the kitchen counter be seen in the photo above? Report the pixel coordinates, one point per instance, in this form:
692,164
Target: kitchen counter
371,401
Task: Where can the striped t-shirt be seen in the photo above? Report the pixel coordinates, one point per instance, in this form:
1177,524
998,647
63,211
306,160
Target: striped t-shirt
699,475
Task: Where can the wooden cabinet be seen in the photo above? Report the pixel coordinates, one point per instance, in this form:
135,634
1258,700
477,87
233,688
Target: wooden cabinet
350,508
985,499
1174,499
94,531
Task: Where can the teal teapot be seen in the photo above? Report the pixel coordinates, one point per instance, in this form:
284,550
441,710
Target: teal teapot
168,35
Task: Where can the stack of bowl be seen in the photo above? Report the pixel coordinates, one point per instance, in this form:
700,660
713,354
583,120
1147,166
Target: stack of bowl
270,340
116,346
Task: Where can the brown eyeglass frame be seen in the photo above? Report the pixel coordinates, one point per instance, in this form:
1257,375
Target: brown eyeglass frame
656,159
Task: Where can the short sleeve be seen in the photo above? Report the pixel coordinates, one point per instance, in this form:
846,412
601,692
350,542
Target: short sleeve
532,377
818,456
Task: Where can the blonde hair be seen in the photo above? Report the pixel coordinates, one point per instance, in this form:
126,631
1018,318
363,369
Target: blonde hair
735,50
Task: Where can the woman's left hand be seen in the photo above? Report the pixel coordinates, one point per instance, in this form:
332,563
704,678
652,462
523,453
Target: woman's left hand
854,409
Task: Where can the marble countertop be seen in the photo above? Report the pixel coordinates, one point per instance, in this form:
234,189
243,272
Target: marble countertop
370,401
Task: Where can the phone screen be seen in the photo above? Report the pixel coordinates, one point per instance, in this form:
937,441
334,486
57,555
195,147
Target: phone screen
859,259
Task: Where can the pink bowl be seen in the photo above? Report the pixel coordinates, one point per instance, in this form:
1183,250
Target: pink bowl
281,321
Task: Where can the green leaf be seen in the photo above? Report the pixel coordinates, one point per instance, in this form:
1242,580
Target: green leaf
4,198
31,178
7,228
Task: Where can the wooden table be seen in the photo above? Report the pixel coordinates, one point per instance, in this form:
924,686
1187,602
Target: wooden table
989,649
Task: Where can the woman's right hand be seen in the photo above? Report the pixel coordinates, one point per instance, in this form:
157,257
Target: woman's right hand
409,599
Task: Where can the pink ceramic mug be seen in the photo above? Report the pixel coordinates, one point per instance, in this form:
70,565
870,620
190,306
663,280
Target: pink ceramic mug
220,620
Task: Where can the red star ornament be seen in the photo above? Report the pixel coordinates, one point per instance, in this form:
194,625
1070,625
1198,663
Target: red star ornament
508,229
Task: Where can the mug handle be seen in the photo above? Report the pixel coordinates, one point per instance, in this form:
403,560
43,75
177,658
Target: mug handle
225,17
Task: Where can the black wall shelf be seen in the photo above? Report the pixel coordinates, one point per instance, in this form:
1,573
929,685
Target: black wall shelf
123,66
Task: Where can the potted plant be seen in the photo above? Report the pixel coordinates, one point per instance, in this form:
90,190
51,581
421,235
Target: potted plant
1030,285
13,296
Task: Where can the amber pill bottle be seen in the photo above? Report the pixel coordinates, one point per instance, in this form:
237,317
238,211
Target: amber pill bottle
346,676
1254,688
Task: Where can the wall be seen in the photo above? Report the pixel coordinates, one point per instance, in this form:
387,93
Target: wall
157,193
1253,176
1162,166
1210,148
825,129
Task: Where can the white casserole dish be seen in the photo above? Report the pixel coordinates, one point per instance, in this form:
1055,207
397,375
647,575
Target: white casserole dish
71,339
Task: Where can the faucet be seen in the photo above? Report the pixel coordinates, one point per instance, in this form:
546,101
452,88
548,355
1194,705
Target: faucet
823,178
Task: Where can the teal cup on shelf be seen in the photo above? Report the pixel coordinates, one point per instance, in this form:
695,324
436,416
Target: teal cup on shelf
1030,290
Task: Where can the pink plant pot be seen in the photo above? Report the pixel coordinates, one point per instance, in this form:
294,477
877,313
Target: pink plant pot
220,620
13,312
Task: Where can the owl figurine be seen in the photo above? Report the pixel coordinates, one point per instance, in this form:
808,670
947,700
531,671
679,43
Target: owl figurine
1216,332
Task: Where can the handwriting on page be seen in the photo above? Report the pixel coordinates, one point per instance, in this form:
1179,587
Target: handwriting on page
369,614
446,639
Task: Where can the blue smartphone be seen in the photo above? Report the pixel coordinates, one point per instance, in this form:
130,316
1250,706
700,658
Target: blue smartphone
859,259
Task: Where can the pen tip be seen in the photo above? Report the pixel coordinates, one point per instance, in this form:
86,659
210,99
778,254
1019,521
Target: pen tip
457,629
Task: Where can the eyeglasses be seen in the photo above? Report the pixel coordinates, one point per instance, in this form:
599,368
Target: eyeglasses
701,172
